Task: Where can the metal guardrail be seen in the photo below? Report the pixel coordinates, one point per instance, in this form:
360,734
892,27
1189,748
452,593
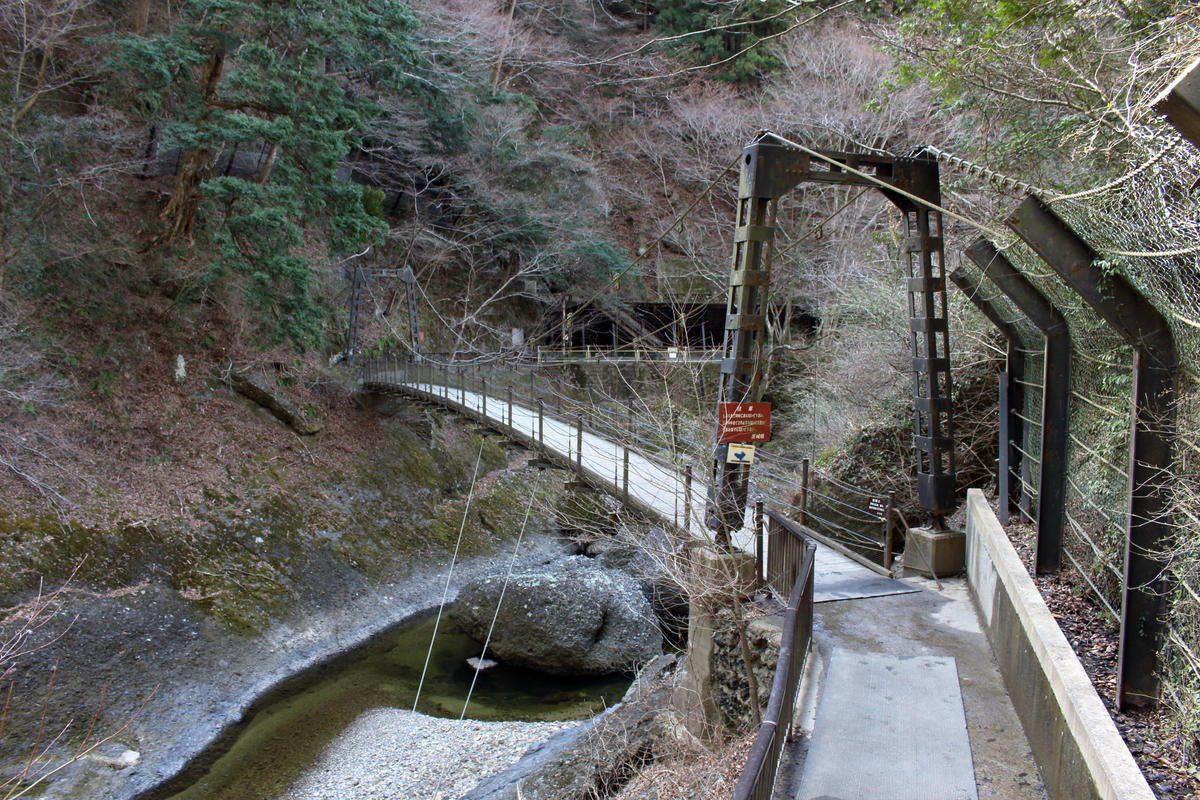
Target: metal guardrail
681,355
396,373
788,571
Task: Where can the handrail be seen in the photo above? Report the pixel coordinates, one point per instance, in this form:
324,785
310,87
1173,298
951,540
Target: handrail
785,563
548,355
876,547
757,779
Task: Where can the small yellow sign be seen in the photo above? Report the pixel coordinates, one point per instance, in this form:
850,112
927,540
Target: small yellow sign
740,454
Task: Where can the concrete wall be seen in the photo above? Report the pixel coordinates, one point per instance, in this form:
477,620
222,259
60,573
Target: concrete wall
1076,744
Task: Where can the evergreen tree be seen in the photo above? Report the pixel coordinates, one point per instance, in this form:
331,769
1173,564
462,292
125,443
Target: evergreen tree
728,35
295,79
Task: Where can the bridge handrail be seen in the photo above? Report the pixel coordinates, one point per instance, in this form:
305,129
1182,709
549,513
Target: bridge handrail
549,355
791,556
474,377
785,563
562,404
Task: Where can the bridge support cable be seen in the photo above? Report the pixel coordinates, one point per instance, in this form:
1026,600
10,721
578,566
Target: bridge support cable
1011,395
1151,459
512,562
449,576
1056,397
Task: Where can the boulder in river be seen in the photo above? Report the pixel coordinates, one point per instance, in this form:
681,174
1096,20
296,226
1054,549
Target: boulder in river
568,617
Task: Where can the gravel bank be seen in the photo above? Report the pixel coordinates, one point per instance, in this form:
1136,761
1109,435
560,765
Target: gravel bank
393,754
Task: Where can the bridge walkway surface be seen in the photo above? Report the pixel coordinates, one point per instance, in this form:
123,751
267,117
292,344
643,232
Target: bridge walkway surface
902,699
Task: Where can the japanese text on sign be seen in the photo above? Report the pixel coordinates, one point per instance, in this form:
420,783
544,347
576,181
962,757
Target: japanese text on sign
743,422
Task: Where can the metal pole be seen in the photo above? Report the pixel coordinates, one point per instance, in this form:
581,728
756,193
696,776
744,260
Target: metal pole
510,405
758,541
579,441
1051,505
687,498
1151,457
803,492
628,439
889,533
541,421
1011,394
625,470
483,394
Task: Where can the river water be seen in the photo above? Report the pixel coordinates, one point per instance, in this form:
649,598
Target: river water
287,733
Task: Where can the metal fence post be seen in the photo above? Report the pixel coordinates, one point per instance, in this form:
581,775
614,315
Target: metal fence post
510,405
804,478
1050,509
758,541
1011,394
541,421
687,498
579,441
483,394
1151,457
625,469
889,533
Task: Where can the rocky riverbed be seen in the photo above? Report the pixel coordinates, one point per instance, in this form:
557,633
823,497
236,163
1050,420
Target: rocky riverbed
392,753
199,678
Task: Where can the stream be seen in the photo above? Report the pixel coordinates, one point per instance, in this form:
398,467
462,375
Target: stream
285,733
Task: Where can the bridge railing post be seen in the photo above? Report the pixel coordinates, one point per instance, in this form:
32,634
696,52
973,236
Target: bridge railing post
758,541
687,498
889,532
804,483
625,471
579,442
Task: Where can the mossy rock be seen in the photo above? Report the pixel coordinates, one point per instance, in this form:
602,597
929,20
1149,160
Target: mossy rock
585,513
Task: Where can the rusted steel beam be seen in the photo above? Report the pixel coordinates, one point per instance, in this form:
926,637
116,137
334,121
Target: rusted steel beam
768,171
1056,396
1180,103
1156,360
1012,394
933,415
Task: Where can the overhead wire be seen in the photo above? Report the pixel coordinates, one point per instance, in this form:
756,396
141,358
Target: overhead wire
487,641
449,577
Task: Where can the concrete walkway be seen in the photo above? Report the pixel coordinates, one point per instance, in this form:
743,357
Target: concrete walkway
904,757
938,713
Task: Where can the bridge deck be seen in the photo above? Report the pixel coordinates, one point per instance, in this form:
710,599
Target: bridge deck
938,723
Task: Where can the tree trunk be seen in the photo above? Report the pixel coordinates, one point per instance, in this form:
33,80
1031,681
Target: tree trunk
141,16
264,171
180,212
498,71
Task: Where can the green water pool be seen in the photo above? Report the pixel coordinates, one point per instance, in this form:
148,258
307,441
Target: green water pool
287,733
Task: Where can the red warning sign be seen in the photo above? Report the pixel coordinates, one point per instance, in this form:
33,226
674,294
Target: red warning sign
743,422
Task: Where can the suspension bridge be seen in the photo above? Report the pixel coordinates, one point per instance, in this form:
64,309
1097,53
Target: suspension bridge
884,688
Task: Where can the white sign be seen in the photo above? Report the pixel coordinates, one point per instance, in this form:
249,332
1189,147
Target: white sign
740,454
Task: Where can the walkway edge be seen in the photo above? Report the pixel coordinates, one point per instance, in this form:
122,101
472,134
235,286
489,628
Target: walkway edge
1074,740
